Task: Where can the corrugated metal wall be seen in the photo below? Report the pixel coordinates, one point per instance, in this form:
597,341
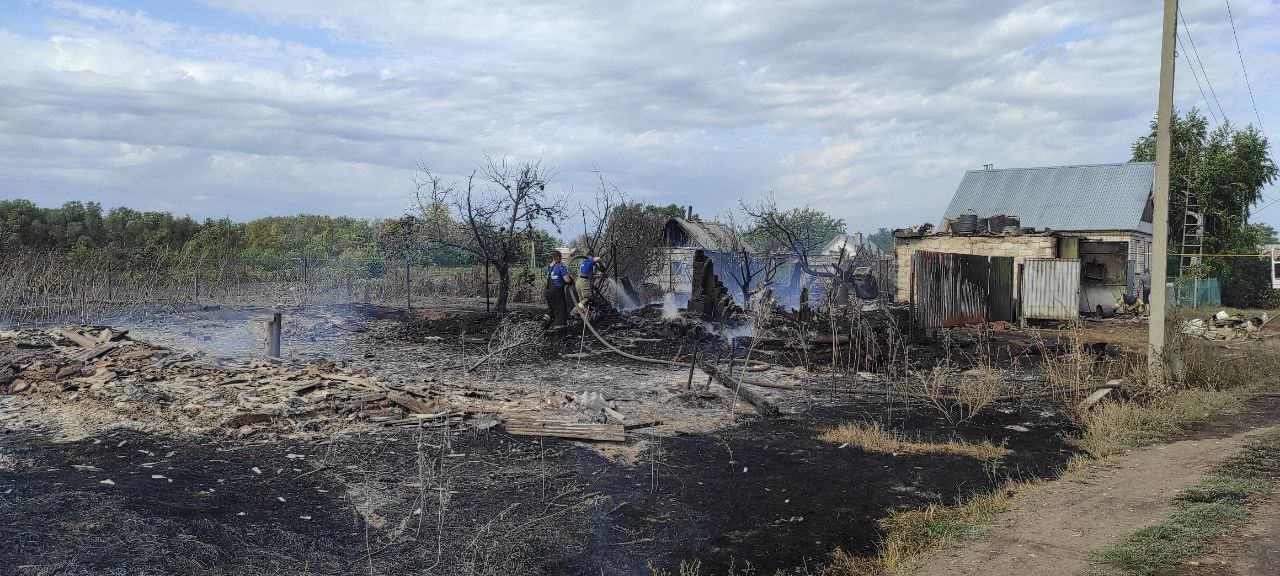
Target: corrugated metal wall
1000,294
1051,289
956,289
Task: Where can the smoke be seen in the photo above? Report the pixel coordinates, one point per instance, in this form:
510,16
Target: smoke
672,303
730,332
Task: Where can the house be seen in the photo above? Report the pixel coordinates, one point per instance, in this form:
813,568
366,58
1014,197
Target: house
670,267
678,267
1098,216
1093,202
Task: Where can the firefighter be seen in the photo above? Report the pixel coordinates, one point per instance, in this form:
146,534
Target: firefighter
557,305
585,274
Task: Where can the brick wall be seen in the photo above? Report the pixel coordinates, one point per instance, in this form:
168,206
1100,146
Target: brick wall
1019,247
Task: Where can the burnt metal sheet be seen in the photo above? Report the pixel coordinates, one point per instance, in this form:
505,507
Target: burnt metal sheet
949,289
1002,304
1051,289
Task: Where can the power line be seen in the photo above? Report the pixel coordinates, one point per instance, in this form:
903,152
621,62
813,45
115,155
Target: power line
1203,72
1240,53
1207,103
1265,207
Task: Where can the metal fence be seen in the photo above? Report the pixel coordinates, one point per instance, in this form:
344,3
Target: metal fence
1051,289
956,289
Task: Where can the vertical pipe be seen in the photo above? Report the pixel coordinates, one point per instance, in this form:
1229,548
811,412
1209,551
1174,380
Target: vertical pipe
273,335
1160,222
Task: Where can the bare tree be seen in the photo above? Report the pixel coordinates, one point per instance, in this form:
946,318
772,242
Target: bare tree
745,266
624,233
491,215
802,232
596,217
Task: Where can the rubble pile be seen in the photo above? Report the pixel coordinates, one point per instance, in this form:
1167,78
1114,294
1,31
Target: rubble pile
1223,326
105,370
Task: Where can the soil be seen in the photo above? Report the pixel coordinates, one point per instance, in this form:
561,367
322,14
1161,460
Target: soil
1055,529
766,493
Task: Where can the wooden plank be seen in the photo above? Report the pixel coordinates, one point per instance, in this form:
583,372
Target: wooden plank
88,354
563,429
412,404
74,336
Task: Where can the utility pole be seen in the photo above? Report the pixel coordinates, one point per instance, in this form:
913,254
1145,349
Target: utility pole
1156,354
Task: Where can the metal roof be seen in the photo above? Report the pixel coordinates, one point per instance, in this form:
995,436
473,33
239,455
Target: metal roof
1089,197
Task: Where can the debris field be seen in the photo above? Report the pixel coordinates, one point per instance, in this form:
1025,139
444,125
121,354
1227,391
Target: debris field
449,441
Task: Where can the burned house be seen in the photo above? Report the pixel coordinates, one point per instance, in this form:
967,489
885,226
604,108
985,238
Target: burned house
1045,242
670,267
710,260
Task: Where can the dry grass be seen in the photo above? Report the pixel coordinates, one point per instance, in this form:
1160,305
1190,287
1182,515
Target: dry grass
874,438
1114,427
912,535
1215,380
957,397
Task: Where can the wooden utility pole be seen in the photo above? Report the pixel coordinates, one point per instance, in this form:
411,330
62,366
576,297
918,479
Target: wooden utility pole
1156,354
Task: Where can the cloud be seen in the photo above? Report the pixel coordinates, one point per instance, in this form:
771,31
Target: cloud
870,110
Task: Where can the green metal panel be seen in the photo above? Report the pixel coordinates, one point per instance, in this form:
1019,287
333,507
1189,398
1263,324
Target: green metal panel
1001,305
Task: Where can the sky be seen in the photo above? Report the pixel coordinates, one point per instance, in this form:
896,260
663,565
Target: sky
869,110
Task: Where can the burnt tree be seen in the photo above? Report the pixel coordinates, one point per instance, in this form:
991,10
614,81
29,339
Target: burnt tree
490,215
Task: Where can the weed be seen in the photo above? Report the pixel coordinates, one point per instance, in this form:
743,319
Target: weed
874,438
911,535
1113,427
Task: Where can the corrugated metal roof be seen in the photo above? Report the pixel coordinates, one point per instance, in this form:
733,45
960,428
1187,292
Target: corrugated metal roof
1088,197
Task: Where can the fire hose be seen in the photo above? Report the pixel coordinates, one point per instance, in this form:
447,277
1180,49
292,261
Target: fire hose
869,391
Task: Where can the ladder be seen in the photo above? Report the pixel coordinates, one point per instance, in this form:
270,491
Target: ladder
1192,232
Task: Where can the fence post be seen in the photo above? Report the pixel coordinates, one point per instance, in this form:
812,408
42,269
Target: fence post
273,335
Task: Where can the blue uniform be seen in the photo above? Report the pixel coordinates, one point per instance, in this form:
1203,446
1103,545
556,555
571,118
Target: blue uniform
556,273
588,266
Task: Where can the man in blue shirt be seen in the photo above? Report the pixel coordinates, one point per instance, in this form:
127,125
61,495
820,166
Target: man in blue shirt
557,278
583,283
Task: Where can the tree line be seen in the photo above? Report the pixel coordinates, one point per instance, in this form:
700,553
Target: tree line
83,232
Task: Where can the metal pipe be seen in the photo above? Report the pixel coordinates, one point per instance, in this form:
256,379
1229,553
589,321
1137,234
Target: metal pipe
273,335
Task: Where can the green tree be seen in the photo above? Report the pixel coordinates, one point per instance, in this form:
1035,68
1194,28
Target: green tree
1225,170
802,232
882,239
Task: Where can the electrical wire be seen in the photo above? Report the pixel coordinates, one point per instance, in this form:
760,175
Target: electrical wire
1240,53
1265,207
1203,72
1207,103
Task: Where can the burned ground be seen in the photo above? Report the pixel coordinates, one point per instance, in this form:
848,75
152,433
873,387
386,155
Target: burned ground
363,491
765,494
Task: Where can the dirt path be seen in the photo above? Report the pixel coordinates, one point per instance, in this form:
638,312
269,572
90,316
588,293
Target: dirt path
1053,531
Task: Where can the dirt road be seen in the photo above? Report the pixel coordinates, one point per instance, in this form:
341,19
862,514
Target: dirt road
1052,531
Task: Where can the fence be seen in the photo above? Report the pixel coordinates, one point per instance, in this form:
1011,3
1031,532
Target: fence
1051,289
955,289
43,288
1197,292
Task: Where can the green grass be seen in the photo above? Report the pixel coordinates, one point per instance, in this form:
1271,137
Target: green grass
1216,506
